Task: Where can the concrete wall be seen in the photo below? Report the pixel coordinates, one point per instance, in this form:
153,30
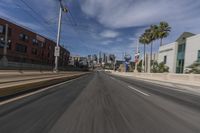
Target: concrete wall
191,52
23,66
188,79
170,51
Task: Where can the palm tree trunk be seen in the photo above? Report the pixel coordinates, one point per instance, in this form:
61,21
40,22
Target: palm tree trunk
144,58
151,55
161,39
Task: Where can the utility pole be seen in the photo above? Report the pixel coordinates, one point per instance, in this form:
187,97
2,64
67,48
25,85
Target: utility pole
136,58
4,58
114,67
57,48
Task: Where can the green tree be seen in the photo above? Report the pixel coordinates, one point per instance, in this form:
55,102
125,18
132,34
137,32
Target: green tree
159,67
194,68
163,31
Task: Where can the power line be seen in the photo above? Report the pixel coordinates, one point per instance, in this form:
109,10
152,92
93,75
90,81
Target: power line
25,3
44,22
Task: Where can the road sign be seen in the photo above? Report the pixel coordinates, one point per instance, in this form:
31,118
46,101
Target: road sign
57,51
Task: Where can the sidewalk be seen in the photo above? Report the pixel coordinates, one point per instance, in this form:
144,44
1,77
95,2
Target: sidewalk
17,76
14,82
184,79
180,85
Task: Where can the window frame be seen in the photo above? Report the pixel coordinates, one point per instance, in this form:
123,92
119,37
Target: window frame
165,59
2,29
23,37
198,55
18,48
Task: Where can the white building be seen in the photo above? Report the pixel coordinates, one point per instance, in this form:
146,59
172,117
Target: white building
167,55
181,53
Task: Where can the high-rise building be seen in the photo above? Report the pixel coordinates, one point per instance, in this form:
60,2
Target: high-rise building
94,59
104,58
100,58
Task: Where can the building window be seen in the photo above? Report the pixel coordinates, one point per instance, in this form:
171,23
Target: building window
34,51
35,42
21,48
180,58
49,47
23,37
2,43
165,60
48,55
41,44
198,56
42,53
1,29
9,31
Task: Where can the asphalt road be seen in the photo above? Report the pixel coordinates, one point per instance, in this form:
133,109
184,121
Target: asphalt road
103,103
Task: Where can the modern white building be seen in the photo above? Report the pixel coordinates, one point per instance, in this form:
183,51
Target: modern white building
181,53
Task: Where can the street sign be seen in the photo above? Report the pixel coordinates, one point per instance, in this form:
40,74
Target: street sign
57,51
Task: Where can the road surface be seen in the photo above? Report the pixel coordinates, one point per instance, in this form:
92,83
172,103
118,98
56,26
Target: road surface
103,103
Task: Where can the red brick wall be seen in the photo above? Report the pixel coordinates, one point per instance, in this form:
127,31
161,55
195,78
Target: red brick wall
29,57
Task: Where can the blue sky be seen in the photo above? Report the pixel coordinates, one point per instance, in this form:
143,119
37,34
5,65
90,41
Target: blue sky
110,26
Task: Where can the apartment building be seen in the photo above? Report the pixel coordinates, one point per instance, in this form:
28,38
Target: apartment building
26,46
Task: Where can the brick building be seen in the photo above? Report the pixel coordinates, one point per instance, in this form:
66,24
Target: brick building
26,46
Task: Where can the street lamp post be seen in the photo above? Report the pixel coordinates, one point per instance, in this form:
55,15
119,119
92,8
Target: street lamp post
57,48
57,51
136,58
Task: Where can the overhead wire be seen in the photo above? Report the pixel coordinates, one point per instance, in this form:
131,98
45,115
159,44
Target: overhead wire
44,22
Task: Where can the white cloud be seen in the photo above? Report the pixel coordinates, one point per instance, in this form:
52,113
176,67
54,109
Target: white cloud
132,38
119,39
107,42
109,34
130,13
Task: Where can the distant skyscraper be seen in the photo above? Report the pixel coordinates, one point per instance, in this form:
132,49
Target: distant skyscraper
105,58
89,58
94,57
100,58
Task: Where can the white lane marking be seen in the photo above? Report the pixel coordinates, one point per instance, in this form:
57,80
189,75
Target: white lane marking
139,91
36,92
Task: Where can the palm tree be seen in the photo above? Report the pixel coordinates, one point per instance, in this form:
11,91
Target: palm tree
163,31
142,41
153,35
145,41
